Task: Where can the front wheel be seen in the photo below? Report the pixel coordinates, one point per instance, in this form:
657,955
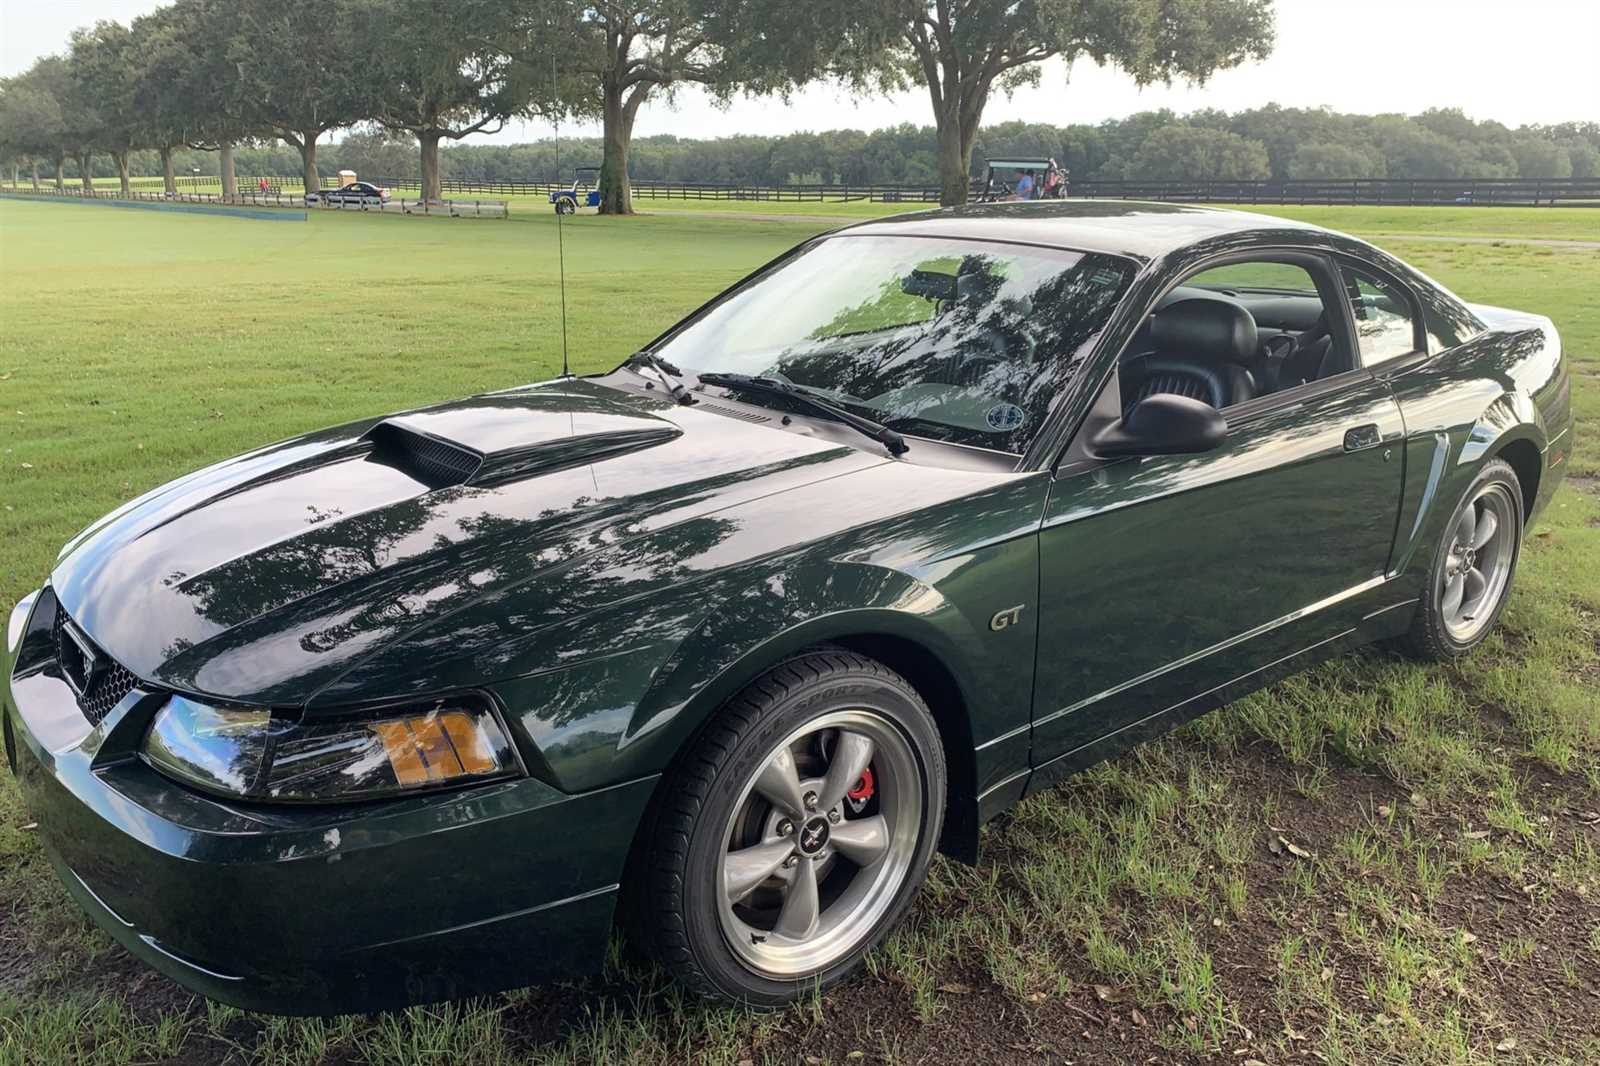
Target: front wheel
1472,570
796,834
565,207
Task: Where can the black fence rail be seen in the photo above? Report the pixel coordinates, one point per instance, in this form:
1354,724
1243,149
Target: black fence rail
1482,192
255,198
665,190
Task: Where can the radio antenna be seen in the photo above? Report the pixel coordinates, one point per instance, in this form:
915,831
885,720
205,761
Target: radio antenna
561,250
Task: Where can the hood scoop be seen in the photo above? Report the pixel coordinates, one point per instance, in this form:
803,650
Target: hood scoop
491,440
434,462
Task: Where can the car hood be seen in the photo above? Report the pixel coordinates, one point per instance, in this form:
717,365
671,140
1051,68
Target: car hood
264,578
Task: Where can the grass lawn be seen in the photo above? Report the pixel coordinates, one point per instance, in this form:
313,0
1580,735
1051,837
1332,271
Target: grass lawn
1373,862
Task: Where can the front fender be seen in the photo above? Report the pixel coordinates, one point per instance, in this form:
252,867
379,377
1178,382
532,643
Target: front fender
625,713
646,673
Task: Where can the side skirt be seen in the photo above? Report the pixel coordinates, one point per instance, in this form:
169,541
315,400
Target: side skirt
1136,733
1375,626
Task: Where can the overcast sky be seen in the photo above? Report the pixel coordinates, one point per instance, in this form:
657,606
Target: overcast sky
1518,62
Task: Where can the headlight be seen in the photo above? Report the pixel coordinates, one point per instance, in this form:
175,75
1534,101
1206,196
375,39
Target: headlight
245,752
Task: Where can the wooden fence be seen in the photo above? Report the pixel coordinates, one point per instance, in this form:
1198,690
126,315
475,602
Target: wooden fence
1481,192
253,197
1485,192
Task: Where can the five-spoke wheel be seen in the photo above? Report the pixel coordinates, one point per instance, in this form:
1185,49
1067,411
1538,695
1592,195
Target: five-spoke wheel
823,835
1472,567
1477,564
797,832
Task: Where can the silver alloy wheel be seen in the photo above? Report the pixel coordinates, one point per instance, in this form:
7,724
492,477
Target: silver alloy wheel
1477,565
804,876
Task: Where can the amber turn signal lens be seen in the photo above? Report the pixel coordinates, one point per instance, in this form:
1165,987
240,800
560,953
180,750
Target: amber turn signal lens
435,747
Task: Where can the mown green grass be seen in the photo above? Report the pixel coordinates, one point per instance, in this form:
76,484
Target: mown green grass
1447,901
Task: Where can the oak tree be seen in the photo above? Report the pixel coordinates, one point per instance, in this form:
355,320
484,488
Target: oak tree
304,69
619,54
962,50
444,70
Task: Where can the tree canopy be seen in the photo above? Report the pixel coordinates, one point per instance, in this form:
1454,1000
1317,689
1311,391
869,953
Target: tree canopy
215,74
962,51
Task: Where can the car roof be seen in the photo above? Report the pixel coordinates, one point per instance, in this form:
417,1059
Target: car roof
1020,161
1130,228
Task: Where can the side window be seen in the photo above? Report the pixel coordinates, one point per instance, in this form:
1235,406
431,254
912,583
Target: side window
1385,327
1234,333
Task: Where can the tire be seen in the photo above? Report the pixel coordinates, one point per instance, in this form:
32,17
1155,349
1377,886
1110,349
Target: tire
798,731
1446,626
565,207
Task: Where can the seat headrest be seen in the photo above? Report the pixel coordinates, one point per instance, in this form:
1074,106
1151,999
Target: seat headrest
1210,330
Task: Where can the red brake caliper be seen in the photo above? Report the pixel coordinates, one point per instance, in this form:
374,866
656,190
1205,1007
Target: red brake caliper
859,795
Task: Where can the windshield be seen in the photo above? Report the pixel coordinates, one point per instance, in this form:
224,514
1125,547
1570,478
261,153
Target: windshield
950,339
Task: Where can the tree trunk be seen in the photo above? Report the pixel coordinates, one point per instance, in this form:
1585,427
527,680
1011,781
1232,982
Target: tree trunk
121,159
35,175
230,183
616,189
954,163
432,186
169,180
85,177
308,157
61,173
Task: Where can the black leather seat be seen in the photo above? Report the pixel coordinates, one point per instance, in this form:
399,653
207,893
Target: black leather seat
1201,349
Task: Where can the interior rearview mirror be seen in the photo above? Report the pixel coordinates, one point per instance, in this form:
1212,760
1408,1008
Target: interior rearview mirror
1163,424
929,284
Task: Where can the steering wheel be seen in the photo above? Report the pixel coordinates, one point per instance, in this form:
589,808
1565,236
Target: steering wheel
1282,349
992,349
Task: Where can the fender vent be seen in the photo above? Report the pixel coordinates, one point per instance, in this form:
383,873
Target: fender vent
433,462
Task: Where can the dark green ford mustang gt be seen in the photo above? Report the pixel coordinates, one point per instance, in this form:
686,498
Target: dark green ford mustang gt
918,519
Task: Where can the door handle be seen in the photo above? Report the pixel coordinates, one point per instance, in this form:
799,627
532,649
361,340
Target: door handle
1362,437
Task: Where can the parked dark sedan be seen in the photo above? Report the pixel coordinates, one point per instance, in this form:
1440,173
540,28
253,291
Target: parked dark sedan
356,194
725,643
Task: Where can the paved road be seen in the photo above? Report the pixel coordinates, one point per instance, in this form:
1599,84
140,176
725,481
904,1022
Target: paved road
1546,242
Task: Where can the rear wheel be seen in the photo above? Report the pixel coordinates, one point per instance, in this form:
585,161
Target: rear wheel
796,834
1473,567
565,207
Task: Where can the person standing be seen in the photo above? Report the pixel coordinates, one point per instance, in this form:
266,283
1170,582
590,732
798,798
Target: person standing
1025,185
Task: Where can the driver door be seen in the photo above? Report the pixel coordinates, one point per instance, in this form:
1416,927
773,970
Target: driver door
1165,577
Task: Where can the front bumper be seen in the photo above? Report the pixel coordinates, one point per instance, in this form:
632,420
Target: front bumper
319,910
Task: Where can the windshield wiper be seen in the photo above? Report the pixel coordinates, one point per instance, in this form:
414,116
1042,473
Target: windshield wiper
877,431
663,369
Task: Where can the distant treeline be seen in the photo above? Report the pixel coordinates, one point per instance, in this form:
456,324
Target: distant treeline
1268,142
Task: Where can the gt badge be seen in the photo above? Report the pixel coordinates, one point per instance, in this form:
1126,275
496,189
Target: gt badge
1008,617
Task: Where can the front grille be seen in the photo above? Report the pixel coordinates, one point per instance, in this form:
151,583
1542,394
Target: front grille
99,681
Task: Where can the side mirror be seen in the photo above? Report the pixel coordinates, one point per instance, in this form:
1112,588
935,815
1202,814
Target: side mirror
1163,424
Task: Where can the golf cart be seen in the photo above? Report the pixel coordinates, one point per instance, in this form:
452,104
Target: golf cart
1000,181
585,191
